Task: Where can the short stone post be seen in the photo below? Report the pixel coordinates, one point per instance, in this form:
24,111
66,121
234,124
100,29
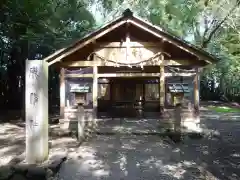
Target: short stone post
178,118
81,121
70,123
177,122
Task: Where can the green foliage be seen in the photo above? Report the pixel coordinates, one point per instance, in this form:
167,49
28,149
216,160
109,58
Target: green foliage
33,30
224,109
51,24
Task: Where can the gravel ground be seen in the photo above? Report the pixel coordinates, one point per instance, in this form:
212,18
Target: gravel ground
119,156
131,157
12,142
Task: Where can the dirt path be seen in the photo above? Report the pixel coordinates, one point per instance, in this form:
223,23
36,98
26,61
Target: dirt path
127,157
216,156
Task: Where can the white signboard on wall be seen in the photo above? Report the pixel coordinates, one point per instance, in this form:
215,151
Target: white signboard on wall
79,88
36,109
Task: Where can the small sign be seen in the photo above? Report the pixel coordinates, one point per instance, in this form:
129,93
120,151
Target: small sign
178,88
79,88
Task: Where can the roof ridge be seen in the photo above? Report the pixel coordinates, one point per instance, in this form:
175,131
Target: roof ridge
168,32
128,14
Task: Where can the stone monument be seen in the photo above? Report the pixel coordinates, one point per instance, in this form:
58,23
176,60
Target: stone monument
36,109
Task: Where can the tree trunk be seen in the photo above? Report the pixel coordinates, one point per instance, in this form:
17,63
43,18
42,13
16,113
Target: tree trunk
16,75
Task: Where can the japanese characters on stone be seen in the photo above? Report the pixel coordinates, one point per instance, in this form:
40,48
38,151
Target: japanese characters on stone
33,96
32,123
33,99
34,72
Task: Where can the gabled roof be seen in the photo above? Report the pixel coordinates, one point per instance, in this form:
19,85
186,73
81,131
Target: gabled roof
128,17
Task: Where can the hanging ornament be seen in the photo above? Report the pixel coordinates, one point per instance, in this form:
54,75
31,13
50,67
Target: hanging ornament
157,59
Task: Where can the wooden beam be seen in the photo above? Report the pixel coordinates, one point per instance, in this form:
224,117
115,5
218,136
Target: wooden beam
133,44
180,74
79,75
128,75
82,63
62,92
54,54
77,47
102,63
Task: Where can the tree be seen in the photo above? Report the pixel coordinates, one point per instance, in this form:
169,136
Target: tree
211,25
33,30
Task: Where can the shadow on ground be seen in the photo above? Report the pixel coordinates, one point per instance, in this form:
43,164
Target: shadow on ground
216,156
119,156
12,141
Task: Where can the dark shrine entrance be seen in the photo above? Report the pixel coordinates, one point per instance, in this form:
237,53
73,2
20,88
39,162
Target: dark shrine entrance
124,89
130,97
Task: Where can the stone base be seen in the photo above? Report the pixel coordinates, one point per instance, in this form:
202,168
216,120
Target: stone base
191,127
67,124
23,171
74,127
81,128
189,122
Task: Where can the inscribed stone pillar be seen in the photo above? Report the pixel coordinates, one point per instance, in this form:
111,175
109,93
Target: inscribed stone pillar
62,92
162,89
36,107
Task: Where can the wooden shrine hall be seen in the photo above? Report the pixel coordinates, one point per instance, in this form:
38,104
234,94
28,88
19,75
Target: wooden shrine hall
129,65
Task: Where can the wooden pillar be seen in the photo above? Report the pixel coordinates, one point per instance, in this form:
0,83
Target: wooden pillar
111,91
95,90
196,88
143,94
162,89
62,92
